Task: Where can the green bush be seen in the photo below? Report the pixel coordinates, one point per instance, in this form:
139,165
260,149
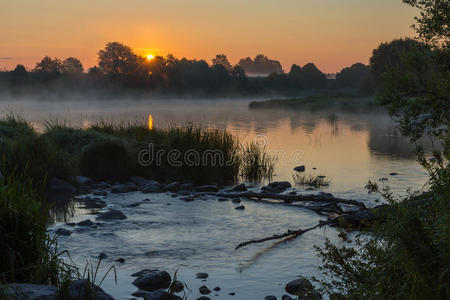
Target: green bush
106,159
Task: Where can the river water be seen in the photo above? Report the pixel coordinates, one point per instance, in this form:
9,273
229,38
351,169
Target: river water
349,147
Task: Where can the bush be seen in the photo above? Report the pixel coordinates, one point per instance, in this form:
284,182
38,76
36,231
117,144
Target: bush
106,159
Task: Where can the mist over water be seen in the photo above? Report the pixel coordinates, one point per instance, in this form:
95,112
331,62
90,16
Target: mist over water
350,147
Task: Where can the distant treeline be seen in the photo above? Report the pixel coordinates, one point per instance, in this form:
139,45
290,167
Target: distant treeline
120,69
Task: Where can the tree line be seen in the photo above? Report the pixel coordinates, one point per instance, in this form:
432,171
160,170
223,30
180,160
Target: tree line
119,67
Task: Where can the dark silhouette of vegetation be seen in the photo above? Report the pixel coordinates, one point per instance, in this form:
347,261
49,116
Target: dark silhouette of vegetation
260,65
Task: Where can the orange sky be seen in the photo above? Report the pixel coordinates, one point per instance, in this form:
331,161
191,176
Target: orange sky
331,33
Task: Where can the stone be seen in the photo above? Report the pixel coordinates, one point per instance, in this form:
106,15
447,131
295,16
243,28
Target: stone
30,291
151,188
93,203
83,181
236,200
204,290
102,255
62,231
99,193
120,260
299,287
156,295
177,286
59,190
80,289
270,297
203,298
186,186
393,174
151,280
286,297
187,199
119,188
171,187
216,289
300,169
207,189
201,275
241,207
112,214
232,293
221,199
135,204
85,223
277,186
239,188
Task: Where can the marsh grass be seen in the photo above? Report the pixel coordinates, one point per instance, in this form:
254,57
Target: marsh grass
255,163
316,181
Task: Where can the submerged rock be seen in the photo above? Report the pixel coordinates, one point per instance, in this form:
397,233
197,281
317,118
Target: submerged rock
120,260
239,188
112,214
99,193
241,207
236,200
30,291
156,295
62,231
270,297
201,275
299,287
151,280
85,223
277,186
177,286
203,298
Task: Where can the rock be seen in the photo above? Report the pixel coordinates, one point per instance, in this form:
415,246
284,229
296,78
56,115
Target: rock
71,224
236,200
83,181
186,186
393,174
300,169
203,298
359,219
132,187
62,231
201,275
187,199
287,297
241,207
101,185
119,188
151,188
299,287
216,289
326,195
90,203
270,298
177,286
204,290
239,188
139,181
120,260
183,193
99,193
207,189
30,291
135,204
156,295
151,280
232,293
171,187
102,255
59,190
221,199
85,223
277,186
112,214
81,289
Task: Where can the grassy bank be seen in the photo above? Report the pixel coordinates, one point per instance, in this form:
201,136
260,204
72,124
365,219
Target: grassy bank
352,102
107,151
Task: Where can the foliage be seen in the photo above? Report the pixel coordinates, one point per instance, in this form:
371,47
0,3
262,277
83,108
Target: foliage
28,254
256,164
311,180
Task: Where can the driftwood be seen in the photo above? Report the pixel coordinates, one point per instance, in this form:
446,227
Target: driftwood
288,234
291,198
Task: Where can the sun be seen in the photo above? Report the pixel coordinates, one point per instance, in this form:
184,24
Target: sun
150,57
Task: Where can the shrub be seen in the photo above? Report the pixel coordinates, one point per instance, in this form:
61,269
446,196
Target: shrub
106,159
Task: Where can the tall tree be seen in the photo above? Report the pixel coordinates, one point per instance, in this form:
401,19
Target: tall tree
221,59
72,65
48,65
117,58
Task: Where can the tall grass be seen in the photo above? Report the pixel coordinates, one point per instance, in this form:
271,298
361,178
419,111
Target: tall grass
316,181
27,253
256,164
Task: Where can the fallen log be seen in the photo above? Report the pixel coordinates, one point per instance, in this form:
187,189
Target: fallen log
291,198
288,234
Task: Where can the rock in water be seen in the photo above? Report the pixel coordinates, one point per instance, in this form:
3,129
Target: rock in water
62,231
201,275
156,295
59,190
207,188
177,286
278,186
112,214
300,169
239,188
151,280
83,181
299,287
30,291
119,188
204,290
270,298
82,288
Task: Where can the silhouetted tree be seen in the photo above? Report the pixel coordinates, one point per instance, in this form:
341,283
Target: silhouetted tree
48,65
117,58
260,65
72,65
357,76
307,77
19,75
221,59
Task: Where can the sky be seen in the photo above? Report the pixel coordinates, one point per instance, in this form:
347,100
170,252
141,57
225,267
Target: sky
333,34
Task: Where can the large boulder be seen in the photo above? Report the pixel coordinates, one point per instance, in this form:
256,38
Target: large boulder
27,291
156,295
151,280
80,289
112,214
299,286
277,186
59,190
